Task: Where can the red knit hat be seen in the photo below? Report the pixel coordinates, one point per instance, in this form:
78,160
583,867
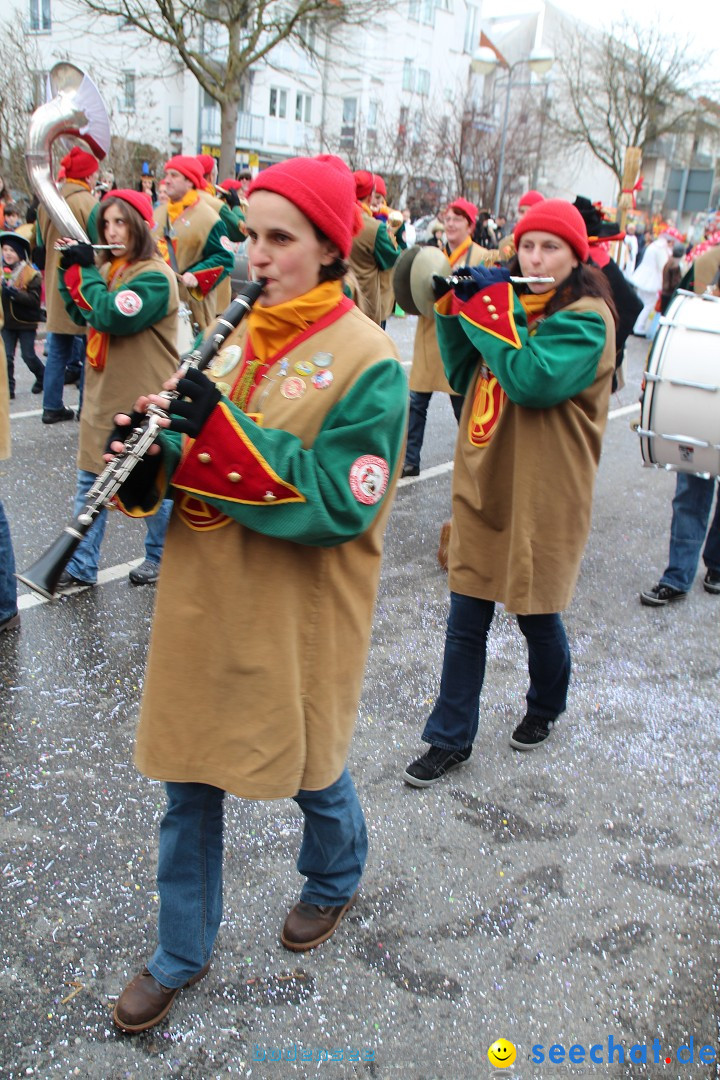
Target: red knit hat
530,198
379,185
467,209
137,199
189,167
323,189
207,163
79,164
231,184
364,184
559,217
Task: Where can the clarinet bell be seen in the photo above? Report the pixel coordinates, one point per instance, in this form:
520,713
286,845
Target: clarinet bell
44,574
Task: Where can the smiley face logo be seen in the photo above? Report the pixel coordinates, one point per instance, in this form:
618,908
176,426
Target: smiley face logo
501,1054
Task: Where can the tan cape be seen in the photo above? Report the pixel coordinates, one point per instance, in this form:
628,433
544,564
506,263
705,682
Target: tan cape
367,271
82,204
192,234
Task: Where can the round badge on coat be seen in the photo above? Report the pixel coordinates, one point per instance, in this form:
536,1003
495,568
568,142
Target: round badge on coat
293,388
226,360
304,367
322,359
322,379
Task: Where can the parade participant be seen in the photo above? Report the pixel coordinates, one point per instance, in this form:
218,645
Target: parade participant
427,375
527,201
647,279
21,287
629,250
381,212
130,305
226,205
9,617
536,371
80,170
287,477
373,251
190,237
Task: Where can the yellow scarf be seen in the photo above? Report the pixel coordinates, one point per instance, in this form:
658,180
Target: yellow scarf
175,209
458,253
534,304
271,328
96,346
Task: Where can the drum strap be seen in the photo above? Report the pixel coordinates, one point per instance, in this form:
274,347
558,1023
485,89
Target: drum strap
170,249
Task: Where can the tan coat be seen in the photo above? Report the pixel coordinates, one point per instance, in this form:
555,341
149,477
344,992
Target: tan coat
136,364
259,644
427,374
82,204
705,268
522,504
367,271
192,236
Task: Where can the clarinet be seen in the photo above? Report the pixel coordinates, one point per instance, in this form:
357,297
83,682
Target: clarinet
43,576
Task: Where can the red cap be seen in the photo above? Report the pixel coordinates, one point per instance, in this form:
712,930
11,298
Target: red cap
468,209
231,184
207,163
323,189
559,217
79,164
364,184
189,167
380,185
531,198
137,199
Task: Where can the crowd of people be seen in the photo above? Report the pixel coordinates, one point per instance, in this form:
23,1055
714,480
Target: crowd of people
292,441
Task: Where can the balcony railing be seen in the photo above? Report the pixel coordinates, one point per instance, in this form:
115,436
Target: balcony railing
250,128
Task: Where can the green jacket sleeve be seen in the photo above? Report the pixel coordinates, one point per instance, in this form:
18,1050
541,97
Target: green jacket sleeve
385,252
127,310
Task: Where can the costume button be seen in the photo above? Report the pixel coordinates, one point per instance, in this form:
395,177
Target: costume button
486,299
204,458
269,497
234,477
492,307
494,317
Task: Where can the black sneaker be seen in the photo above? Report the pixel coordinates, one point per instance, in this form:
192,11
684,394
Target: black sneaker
67,584
410,470
711,582
660,595
36,388
55,416
433,765
146,573
531,732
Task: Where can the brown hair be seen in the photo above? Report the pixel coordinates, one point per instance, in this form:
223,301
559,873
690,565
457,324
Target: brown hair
583,280
337,270
141,243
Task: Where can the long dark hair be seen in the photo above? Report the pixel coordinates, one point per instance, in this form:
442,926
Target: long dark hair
583,280
141,243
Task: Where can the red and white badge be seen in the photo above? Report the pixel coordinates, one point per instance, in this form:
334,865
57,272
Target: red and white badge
128,302
369,477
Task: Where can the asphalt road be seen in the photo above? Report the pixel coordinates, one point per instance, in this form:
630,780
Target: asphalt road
568,897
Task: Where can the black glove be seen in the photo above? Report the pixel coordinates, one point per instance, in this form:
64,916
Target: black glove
189,416
77,255
476,278
230,196
139,489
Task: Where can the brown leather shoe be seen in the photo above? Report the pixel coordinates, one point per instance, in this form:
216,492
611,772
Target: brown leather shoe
309,925
442,555
145,1002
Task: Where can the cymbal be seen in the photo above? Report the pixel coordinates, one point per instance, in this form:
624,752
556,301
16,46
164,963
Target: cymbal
401,280
431,260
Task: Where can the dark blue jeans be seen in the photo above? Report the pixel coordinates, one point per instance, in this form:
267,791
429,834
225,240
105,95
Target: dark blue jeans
8,582
419,403
26,340
453,723
63,351
691,511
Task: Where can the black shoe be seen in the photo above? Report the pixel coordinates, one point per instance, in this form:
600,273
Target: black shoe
530,732
54,416
36,388
12,395
411,470
72,375
68,584
711,582
146,573
660,595
433,765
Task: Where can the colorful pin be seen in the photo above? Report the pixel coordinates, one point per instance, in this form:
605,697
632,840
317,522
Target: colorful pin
322,359
304,367
293,387
322,379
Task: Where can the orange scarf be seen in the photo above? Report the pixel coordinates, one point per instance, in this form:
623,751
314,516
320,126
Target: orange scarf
175,209
534,304
271,328
80,183
96,349
458,253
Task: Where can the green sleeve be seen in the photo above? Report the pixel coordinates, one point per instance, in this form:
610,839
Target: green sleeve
385,252
232,223
86,295
459,354
370,420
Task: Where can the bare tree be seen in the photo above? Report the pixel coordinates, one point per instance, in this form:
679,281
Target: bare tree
19,92
626,87
219,41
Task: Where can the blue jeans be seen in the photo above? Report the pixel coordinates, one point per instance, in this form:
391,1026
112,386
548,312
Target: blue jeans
453,723
63,351
691,511
84,563
8,582
26,340
332,858
419,403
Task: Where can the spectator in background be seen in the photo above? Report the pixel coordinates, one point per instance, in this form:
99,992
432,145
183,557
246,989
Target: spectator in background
21,287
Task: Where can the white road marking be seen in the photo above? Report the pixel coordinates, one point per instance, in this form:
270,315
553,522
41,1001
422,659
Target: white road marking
111,573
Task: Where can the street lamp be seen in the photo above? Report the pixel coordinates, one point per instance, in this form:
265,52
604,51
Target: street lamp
484,61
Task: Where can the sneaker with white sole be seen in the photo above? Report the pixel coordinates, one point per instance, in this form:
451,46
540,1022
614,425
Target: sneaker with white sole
433,765
531,732
146,573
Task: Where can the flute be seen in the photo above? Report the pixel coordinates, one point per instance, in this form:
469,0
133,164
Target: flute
44,574
59,245
455,280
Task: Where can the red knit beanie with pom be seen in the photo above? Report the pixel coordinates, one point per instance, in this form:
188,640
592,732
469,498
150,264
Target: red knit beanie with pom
364,184
323,189
79,164
137,199
559,217
189,167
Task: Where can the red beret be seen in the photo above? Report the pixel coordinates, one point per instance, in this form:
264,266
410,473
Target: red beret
559,217
530,198
364,184
462,206
79,164
189,167
207,163
322,188
137,199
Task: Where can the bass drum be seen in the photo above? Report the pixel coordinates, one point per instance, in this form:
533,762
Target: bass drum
680,405
185,332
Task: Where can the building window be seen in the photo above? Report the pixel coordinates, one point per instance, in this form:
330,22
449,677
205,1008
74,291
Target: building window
428,12
303,108
128,93
278,102
349,120
308,33
408,80
414,10
423,82
472,29
40,18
